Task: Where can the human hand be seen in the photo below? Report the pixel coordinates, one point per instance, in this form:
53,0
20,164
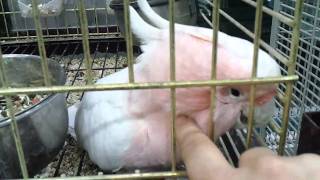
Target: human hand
204,160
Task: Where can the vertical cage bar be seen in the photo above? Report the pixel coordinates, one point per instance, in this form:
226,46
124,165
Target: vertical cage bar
215,23
172,78
85,41
4,19
291,71
275,24
26,29
257,34
46,26
13,124
107,17
96,18
14,18
57,30
65,21
75,10
42,50
128,40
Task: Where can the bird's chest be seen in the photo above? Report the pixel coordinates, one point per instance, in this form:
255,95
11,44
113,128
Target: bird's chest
151,142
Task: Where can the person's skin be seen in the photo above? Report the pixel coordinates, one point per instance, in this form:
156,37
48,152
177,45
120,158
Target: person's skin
204,161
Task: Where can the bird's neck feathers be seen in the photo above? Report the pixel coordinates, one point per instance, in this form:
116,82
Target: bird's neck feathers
193,62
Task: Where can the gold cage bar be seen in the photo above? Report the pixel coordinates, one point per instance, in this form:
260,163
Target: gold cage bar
85,41
215,21
291,71
257,34
155,175
128,40
13,123
150,85
42,49
172,79
4,19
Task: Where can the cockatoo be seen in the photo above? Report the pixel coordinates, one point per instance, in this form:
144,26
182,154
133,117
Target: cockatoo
131,128
265,113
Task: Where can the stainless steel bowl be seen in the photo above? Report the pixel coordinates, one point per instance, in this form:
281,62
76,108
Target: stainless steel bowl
185,12
43,127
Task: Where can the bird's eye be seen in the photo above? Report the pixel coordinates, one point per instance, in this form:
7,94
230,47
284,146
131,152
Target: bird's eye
235,92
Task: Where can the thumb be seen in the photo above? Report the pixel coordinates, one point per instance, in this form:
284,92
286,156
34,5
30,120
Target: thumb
202,158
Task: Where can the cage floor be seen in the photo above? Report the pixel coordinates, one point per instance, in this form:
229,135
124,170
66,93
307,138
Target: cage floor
109,56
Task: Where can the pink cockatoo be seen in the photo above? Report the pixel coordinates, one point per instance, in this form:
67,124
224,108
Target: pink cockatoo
131,128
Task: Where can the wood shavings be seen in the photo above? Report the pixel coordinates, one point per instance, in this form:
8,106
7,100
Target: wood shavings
75,96
96,75
74,63
49,170
71,158
76,70
122,62
70,77
108,72
111,61
99,60
89,168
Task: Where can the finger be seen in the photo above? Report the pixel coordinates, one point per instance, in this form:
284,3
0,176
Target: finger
253,157
304,159
201,157
309,164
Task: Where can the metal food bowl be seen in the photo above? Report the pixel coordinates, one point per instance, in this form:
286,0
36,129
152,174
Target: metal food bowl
42,127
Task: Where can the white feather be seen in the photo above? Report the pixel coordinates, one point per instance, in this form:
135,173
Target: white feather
103,127
142,30
72,111
105,140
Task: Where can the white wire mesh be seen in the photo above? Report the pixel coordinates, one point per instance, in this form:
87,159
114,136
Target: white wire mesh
306,95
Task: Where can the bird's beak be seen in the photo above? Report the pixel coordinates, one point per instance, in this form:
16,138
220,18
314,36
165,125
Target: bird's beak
262,115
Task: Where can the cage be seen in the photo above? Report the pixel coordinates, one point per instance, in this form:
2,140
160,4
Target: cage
87,35
306,90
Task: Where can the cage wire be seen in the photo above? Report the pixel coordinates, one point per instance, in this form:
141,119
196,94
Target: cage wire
306,92
64,25
64,36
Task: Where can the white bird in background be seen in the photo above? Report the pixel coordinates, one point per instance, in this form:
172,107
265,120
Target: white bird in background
131,128
51,8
